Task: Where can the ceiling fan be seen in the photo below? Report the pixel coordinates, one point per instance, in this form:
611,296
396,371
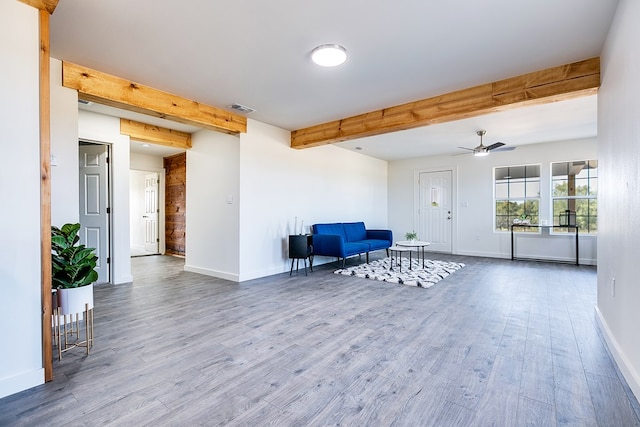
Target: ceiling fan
483,150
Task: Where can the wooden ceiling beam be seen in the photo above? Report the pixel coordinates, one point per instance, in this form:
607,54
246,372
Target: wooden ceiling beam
155,134
540,87
47,5
106,89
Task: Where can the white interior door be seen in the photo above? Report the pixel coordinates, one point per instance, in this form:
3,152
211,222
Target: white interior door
150,217
435,212
94,204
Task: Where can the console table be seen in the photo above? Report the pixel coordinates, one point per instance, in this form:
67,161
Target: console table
301,247
544,227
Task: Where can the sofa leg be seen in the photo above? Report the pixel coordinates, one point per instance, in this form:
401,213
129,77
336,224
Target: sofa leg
367,257
387,252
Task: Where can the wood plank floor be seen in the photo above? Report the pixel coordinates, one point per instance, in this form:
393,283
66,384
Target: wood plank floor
504,343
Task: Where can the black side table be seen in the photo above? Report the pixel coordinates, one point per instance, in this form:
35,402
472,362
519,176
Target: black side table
301,247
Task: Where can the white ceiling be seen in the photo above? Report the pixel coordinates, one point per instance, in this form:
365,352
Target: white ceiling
258,54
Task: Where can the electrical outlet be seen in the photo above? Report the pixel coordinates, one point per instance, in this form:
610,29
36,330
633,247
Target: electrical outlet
613,286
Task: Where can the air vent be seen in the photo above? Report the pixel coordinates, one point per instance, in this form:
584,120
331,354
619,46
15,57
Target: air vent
83,102
242,108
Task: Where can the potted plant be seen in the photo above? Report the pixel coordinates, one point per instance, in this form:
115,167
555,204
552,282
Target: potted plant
411,236
73,269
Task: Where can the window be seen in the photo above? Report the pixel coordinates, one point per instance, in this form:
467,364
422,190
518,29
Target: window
575,188
517,195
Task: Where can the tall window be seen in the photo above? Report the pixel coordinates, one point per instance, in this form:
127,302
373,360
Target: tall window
575,189
517,195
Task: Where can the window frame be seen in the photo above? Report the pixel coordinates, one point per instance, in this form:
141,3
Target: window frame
591,197
524,182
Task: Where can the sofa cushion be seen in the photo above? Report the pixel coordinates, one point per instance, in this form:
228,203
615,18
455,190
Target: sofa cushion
374,244
353,248
332,228
354,231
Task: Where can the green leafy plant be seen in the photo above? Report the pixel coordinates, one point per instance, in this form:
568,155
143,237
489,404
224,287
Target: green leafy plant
411,235
73,265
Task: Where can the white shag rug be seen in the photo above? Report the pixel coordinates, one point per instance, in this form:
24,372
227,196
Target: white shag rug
432,273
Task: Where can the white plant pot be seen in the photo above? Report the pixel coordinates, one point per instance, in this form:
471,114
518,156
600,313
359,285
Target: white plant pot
73,300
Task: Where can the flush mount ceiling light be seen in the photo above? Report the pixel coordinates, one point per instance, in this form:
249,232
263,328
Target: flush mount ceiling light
329,55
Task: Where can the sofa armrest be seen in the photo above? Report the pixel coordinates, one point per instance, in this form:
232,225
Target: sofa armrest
328,245
380,235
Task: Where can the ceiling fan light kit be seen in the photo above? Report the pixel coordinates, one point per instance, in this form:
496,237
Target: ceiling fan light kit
480,150
329,55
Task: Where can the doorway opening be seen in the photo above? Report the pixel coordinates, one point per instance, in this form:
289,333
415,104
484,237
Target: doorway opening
175,204
157,201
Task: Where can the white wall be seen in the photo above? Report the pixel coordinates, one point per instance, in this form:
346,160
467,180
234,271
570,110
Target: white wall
278,183
146,162
243,195
619,201
473,224
21,364
64,149
106,129
213,205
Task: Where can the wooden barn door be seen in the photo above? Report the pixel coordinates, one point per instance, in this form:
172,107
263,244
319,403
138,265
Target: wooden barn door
175,203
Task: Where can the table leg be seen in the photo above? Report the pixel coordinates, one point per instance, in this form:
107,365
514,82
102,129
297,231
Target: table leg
512,256
577,253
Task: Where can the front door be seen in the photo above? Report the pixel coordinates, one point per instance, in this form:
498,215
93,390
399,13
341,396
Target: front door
94,204
436,210
151,241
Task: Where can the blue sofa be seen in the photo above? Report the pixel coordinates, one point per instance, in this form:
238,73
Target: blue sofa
343,239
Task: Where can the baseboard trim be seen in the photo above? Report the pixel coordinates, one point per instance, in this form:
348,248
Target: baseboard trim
583,261
483,254
123,279
630,375
18,383
213,273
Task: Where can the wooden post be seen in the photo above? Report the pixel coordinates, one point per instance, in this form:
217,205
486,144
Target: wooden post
45,192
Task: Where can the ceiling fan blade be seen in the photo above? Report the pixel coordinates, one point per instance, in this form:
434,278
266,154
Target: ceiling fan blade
494,146
509,148
469,149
